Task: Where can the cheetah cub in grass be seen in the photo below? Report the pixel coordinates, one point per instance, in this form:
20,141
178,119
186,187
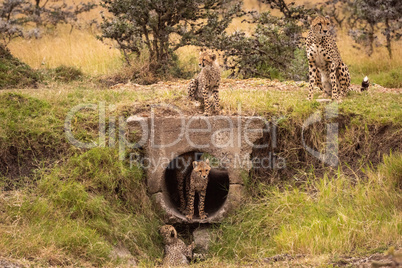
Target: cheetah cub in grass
176,252
326,68
205,87
198,183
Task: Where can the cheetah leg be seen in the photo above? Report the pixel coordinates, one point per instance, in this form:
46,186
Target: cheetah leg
335,90
344,79
207,103
190,206
318,80
216,100
312,75
180,189
189,250
201,206
187,192
192,88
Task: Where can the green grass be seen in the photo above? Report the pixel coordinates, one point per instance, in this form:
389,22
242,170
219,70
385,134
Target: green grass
76,206
391,78
14,73
79,211
335,216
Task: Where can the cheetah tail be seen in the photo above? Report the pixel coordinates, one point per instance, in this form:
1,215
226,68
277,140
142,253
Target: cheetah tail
365,84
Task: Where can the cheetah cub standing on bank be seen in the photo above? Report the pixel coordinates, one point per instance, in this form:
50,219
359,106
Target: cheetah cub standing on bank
326,68
176,252
198,183
205,87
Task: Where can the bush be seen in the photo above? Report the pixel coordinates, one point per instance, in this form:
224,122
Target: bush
272,50
14,73
65,73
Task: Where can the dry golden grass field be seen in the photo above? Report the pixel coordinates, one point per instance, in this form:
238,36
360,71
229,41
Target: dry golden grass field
82,50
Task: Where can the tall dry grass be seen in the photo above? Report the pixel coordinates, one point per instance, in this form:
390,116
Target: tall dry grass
81,49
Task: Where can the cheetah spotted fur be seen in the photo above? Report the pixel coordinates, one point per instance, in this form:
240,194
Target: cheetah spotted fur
326,68
176,251
205,87
198,184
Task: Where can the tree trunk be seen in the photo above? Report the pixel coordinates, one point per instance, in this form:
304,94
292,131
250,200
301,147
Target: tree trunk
388,36
371,40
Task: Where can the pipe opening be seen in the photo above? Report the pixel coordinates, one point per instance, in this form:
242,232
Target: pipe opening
217,189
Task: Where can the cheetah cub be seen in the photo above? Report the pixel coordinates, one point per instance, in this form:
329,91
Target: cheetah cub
176,252
326,68
204,88
198,183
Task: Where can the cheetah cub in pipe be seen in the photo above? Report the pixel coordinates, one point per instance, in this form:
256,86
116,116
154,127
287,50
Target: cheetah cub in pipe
205,87
198,184
176,251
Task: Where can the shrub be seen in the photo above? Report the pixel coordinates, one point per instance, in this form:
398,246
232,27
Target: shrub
65,73
271,50
14,73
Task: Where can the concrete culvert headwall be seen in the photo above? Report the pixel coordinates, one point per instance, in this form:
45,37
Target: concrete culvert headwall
171,142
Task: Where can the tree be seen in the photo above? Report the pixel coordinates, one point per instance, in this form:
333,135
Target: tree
163,26
272,48
367,18
17,17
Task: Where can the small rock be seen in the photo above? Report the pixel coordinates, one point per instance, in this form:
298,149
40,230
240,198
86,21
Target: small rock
202,239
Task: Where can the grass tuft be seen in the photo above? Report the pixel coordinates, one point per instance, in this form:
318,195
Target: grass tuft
14,73
323,216
65,73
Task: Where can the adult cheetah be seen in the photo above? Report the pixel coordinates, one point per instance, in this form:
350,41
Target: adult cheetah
176,251
205,87
326,68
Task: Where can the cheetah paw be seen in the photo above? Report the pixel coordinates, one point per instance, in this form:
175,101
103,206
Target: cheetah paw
203,216
189,218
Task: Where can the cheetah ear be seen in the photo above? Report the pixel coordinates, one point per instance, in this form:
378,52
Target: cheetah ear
213,57
173,234
207,161
195,163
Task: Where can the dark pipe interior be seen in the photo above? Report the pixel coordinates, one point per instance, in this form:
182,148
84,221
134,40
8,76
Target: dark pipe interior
217,189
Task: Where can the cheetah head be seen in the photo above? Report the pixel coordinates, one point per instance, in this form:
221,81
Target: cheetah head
206,59
168,233
202,168
321,26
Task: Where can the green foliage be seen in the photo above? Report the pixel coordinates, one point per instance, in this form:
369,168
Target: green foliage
14,73
322,216
298,68
271,51
366,19
392,169
18,17
30,132
163,26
